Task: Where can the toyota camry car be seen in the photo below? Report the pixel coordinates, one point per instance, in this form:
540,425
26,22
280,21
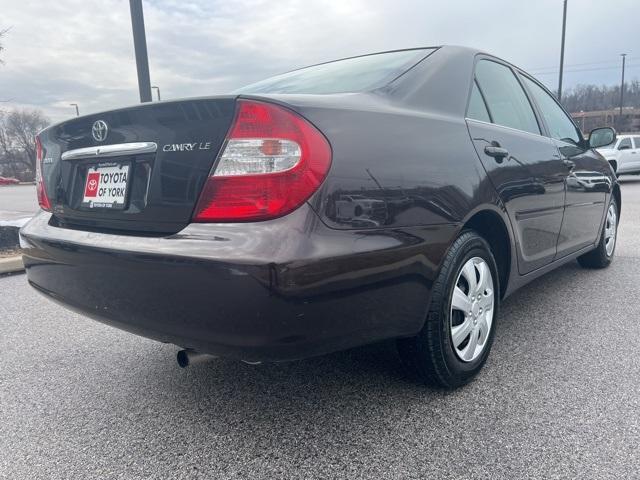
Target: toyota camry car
399,195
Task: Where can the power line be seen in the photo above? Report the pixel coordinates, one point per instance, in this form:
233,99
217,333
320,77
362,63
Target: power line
577,70
555,67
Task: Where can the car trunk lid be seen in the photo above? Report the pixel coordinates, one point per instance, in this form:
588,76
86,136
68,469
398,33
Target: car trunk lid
138,169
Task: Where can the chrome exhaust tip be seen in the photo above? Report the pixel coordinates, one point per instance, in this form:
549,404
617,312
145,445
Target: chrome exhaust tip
188,357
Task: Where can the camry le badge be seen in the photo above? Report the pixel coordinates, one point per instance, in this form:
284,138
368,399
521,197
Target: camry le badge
99,130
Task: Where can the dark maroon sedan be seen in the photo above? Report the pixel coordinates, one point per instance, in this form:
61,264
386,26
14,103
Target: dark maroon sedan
395,195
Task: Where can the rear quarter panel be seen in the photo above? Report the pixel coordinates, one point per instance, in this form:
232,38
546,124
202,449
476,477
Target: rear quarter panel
400,172
397,168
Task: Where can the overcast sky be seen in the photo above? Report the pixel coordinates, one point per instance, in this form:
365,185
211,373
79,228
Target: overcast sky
64,51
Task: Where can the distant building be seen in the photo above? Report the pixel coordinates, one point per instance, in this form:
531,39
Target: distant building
628,123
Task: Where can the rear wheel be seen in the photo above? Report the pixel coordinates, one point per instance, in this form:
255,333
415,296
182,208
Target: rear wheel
602,255
456,339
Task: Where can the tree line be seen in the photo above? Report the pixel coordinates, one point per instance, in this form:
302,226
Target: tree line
588,98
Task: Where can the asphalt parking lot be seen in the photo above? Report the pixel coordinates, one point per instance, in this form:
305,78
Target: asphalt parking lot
559,397
17,200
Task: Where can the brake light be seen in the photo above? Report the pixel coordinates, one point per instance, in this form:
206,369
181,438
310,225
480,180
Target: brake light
272,161
43,199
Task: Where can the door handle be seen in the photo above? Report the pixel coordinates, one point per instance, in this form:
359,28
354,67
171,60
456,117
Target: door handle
496,151
569,164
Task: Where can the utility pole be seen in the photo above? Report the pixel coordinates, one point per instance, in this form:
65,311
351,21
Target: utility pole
157,89
564,29
77,110
624,57
140,47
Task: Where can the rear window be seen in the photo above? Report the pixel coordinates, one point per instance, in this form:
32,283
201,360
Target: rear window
356,74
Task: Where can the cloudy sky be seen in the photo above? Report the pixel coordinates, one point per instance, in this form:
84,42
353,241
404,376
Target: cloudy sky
64,51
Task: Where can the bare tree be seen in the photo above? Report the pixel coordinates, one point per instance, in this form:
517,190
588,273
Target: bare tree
3,32
18,129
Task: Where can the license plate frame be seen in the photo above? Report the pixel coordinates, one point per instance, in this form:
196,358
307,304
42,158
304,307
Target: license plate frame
104,174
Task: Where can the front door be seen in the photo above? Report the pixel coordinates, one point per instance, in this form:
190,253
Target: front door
523,165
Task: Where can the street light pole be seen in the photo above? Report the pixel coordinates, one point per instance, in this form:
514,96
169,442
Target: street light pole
624,57
140,47
77,110
564,29
157,89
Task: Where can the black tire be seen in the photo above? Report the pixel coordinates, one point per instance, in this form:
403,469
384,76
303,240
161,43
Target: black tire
598,257
430,354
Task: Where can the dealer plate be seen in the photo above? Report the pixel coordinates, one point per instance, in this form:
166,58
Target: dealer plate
106,186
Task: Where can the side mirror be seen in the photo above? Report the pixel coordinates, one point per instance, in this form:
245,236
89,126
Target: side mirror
601,137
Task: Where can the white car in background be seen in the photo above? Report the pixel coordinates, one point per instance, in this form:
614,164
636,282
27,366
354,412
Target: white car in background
623,154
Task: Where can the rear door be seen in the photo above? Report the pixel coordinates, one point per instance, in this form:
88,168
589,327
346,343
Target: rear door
522,163
587,179
138,169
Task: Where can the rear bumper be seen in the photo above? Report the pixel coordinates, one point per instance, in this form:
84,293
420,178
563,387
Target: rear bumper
269,291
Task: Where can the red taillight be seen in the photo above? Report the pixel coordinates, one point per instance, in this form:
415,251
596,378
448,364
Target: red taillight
43,199
272,161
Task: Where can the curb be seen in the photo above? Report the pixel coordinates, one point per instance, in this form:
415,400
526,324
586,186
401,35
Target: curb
11,265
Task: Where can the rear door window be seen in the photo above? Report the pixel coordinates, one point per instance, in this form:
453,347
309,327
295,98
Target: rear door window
637,141
559,124
506,100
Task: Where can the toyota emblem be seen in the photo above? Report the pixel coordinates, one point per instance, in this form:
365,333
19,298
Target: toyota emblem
99,130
